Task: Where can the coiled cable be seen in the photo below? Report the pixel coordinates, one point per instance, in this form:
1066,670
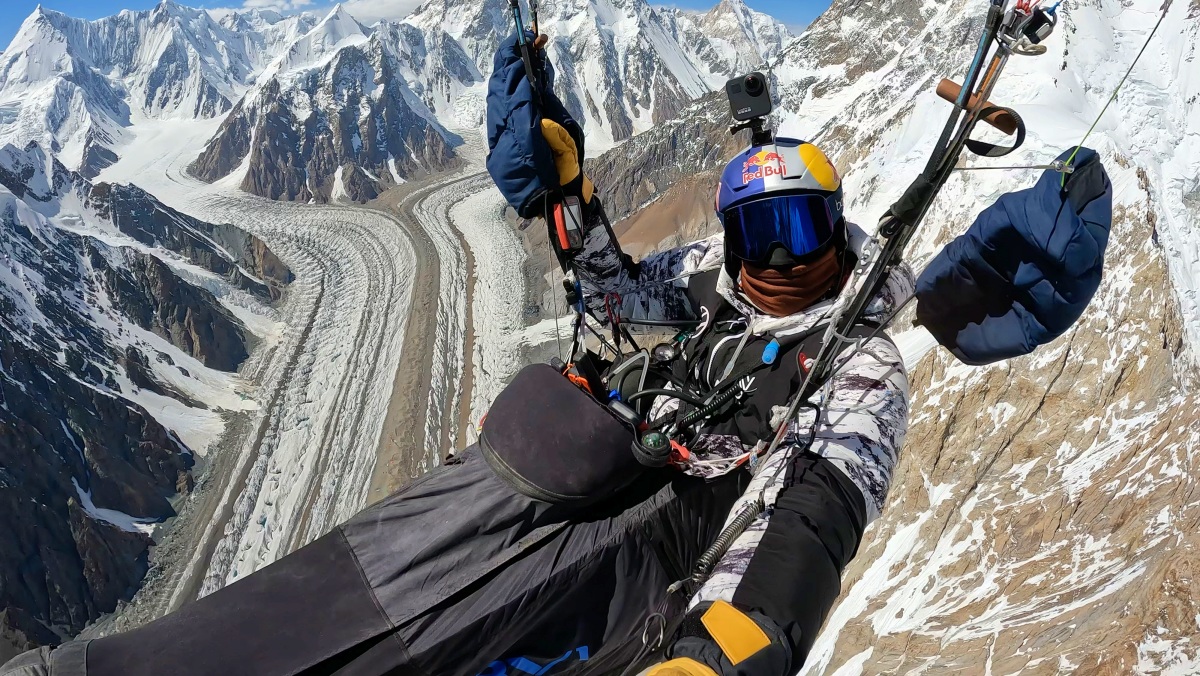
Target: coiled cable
708,560
704,411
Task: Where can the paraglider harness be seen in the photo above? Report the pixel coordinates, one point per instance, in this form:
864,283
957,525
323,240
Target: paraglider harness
602,405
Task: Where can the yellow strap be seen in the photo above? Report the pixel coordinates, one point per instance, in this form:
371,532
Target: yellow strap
737,634
566,155
684,666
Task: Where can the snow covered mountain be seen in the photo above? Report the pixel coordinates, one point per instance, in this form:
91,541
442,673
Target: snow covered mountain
335,114
285,86
77,86
729,38
624,65
1041,520
351,110
121,324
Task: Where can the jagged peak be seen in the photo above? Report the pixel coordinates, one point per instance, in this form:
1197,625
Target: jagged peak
741,12
316,48
339,13
31,32
32,171
170,8
731,6
269,15
43,12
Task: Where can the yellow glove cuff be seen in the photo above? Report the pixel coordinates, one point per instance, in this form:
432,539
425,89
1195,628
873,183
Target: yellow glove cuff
737,634
684,666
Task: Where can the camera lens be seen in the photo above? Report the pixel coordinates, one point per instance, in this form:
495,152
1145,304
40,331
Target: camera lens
754,85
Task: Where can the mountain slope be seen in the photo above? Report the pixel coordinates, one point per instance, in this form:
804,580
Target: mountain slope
624,65
333,111
114,365
1040,519
76,86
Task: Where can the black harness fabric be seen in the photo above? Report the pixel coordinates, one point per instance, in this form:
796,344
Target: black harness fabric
291,617
479,579
456,574
554,442
766,386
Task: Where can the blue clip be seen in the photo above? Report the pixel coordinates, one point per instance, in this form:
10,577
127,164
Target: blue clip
614,395
771,352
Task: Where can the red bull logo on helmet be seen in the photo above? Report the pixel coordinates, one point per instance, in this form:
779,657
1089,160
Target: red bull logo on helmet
763,164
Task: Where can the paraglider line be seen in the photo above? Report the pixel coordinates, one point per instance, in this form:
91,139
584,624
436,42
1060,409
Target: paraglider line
1165,8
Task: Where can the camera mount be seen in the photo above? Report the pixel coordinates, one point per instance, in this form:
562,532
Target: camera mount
762,134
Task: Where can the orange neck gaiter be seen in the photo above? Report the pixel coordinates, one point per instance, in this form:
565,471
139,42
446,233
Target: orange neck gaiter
783,292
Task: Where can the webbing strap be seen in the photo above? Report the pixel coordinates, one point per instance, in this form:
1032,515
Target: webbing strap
986,149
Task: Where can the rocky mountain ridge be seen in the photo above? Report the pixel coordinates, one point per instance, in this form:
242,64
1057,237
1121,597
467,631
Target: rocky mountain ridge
322,108
624,65
334,115
110,353
77,87
352,110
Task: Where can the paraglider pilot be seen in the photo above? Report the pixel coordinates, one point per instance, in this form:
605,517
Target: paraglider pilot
569,539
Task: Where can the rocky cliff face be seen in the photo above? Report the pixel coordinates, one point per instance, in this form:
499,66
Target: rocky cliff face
219,248
100,333
1040,518
334,117
694,145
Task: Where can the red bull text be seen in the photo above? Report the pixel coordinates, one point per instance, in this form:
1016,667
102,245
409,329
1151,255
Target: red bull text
763,164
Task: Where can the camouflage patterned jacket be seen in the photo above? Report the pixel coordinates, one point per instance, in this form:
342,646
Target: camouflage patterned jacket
864,407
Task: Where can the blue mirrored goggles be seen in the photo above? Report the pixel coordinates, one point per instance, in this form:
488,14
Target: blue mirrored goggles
800,224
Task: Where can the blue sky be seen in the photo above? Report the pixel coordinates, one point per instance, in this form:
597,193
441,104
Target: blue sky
12,12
